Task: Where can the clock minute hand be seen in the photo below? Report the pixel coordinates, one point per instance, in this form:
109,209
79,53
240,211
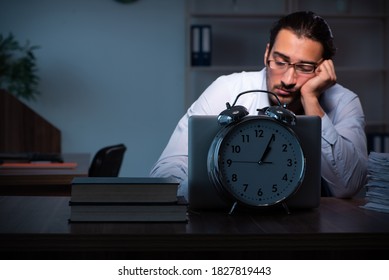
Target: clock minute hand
267,150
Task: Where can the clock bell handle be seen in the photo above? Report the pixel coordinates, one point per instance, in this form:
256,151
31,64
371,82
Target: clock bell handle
234,112
256,90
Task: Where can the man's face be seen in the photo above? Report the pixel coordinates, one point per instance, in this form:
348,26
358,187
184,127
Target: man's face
286,83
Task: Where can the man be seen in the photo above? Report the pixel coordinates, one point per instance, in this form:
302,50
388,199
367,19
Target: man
300,71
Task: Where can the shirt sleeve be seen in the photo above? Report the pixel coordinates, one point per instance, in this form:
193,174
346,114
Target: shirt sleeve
344,151
173,161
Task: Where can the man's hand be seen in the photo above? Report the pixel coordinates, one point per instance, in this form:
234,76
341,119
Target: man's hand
324,78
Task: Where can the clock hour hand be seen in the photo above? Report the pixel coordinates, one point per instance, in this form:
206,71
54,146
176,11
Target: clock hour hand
244,161
266,152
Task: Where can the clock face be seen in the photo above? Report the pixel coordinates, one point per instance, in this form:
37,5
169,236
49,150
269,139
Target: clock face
258,161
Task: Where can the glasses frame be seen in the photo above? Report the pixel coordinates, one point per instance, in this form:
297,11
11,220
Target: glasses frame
287,65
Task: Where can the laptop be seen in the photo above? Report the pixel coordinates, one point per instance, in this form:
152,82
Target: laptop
202,195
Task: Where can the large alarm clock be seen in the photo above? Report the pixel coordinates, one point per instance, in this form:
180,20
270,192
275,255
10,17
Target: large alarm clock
256,161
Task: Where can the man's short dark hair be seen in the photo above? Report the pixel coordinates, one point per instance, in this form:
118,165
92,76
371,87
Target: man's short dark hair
309,25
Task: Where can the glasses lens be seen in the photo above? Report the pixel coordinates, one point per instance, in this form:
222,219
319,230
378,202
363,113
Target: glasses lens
304,68
278,65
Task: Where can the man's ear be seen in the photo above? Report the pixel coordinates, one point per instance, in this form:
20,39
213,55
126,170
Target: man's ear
266,55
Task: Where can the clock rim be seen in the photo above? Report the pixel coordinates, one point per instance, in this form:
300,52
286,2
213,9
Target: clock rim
213,168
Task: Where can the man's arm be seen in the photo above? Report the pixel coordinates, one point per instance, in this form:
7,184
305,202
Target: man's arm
173,161
344,152
324,78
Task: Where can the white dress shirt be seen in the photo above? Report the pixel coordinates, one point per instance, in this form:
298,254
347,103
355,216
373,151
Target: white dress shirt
344,152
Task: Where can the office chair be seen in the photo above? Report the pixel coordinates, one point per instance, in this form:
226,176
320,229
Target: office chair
107,161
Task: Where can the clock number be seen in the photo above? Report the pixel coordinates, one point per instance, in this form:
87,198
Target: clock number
229,162
274,188
245,187
234,177
246,138
284,148
289,162
259,133
285,178
260,192
236,149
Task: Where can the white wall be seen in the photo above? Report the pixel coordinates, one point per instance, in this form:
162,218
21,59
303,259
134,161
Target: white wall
110,73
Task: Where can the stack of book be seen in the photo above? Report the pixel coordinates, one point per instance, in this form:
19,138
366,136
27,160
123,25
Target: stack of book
122,199
377,187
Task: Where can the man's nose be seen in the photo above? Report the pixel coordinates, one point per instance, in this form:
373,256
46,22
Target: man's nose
290,76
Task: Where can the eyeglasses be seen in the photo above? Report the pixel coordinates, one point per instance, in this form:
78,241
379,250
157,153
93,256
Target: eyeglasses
299,67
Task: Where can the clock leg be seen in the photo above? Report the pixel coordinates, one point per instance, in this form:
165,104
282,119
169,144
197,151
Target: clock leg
286,208
232,208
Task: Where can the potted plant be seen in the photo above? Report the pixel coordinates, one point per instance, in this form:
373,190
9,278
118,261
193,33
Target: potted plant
18,71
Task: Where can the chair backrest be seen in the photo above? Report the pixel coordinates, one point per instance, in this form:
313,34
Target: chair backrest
107,161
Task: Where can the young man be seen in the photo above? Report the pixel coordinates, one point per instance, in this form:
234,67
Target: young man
300,71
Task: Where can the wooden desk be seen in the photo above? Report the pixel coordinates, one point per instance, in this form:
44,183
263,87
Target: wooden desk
37,227
42,181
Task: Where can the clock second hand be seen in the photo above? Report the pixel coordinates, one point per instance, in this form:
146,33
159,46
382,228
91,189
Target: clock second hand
251,161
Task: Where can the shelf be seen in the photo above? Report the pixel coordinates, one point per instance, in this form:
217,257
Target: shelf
241,9
359,69
254,16
235,16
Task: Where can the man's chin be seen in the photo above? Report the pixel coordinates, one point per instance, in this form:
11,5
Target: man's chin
284,101
282,98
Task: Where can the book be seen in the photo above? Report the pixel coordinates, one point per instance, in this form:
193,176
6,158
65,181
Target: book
129,212
124,189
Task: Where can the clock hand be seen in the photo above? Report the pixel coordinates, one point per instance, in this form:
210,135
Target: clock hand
247,161
244,161
267,150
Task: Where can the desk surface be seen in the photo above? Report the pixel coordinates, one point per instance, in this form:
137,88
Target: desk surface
43,181
38,226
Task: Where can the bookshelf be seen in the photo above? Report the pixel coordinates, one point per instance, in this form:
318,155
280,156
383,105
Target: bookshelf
240,31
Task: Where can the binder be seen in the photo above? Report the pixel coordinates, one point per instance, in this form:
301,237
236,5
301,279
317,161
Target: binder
206,44
201,45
